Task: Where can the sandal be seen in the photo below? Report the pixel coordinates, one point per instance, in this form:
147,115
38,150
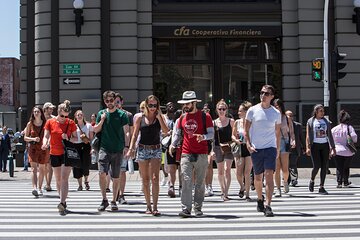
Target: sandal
87,186
241,193
156,213
148,211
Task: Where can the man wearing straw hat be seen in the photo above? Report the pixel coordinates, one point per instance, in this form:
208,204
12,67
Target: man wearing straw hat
195,127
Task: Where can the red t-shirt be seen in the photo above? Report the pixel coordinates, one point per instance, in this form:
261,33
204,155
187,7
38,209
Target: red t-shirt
190,124
56,130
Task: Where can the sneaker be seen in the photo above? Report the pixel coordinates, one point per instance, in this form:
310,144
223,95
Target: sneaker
35,192
171,192
122,200
294,183
62,208
347,184
286,188
198,213
339,185
260,205
268,212
278,192
104,204
323,191
113,205
185,213
40,192
311,186
80,188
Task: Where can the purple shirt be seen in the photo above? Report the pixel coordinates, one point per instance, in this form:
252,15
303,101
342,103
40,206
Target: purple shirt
340,133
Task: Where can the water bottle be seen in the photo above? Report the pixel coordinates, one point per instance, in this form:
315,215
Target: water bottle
130,166
93,158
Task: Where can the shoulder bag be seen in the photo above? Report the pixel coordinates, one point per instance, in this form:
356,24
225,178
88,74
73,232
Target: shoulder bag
350,143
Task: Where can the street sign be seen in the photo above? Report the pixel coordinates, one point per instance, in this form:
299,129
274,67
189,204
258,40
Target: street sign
71,68
71,81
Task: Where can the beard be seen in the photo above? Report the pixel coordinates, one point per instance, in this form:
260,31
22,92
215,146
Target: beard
111,106
189,109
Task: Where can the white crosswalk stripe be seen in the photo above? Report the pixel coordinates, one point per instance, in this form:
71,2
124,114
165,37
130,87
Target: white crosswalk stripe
298,215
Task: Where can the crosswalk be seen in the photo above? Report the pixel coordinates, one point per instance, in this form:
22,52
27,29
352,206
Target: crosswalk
298,215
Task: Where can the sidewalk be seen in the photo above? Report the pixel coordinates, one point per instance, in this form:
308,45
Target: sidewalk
304,173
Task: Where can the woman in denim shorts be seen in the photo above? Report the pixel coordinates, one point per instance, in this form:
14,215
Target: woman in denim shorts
149,150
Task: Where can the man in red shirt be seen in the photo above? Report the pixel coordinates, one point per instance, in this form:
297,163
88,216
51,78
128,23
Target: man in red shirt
195,129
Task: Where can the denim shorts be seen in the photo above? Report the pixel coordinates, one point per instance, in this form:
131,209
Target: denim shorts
144,154
264,159
283,143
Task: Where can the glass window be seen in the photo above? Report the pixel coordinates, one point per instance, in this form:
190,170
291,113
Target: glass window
241,50
242,82
170,81
192,51
162,51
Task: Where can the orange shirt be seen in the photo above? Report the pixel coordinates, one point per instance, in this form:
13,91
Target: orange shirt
56,129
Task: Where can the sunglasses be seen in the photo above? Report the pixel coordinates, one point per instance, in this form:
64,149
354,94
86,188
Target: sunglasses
109,100
222,109
152,105
63,116
265,93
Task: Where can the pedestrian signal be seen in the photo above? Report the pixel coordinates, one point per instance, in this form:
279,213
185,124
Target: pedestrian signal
317,69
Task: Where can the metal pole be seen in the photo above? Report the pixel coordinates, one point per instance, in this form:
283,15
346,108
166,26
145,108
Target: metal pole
326,56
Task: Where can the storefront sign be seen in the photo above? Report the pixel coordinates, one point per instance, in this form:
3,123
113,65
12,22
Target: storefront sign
218,31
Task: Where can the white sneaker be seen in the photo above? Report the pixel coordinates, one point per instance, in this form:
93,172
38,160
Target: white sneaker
278,192
164,181
207,193
40,192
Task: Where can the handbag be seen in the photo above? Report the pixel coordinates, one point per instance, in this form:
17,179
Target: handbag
71,152
350,143
95,142
235,149
225,147
83,136
165,142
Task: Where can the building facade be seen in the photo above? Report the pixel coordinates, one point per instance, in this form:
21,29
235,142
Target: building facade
9,84
221,49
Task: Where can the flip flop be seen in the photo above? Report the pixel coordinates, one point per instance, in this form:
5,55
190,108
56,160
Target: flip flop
148,211
156,213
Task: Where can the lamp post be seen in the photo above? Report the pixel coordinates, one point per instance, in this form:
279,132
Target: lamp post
79,19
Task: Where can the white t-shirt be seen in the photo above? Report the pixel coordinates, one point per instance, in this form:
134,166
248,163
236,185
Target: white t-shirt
263,122
87,128
320,130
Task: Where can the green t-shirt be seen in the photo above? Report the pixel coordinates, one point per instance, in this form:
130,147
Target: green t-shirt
112,132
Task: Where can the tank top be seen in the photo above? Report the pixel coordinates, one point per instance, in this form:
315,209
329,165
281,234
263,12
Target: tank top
240,130
150,133
224,133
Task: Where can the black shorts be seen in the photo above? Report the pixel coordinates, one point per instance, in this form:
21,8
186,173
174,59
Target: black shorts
170,159
58,160
244,151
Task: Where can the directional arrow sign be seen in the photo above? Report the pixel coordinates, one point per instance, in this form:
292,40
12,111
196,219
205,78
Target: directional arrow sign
71,81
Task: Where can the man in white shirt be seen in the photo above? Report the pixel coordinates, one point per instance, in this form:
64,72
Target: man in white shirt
262,135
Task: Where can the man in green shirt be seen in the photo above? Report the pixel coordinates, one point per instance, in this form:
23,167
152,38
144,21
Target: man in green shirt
110,122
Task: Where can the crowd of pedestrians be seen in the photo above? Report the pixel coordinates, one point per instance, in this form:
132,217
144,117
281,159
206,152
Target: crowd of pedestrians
265,142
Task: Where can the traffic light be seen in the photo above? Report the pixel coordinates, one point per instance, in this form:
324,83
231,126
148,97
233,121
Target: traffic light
336,66
316,67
